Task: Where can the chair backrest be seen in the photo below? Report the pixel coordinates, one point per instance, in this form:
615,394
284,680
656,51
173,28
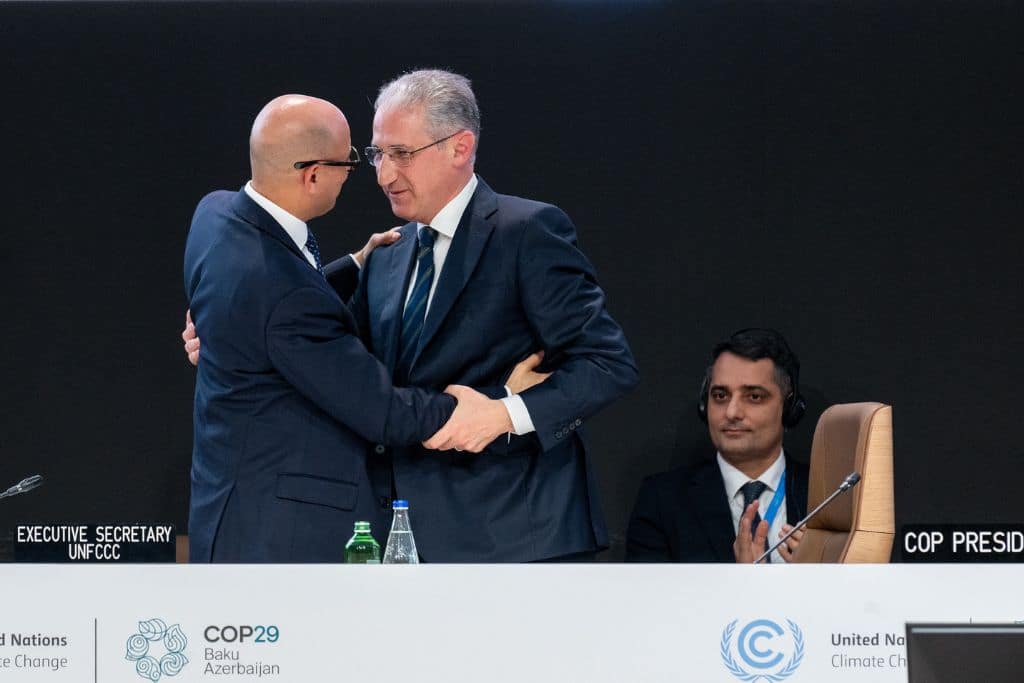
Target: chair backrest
181,549
859,525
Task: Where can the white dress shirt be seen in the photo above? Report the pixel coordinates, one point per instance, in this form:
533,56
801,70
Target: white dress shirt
771,477
445,223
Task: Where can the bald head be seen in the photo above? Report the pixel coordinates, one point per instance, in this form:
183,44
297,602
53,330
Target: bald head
293,128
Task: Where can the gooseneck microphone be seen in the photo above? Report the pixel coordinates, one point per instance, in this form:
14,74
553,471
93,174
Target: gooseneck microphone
851,480
23,486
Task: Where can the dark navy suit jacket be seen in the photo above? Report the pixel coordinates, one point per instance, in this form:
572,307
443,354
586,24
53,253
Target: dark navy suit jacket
287,397
513,282
683,515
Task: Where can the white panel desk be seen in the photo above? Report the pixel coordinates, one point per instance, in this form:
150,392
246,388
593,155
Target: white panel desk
517,623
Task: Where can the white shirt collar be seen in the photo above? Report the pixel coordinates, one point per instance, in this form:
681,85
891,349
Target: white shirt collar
734,479
447,219
295,227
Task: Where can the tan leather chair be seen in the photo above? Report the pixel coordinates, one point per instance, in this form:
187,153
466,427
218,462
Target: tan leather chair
181,549
859,525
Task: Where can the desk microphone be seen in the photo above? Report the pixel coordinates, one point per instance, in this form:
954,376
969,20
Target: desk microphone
23,486
851,480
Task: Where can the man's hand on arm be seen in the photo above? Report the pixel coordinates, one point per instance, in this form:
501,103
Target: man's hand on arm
188,335
476,422
524,376
744,548
376,239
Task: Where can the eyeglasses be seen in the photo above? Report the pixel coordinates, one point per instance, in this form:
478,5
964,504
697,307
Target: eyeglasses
399,156
353,161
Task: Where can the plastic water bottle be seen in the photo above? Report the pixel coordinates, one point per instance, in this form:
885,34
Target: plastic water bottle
362,548
401,548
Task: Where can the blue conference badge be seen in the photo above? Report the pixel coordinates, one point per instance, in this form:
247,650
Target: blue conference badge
762,648
157,650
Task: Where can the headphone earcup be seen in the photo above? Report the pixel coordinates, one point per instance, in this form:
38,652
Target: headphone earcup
794,409
702,402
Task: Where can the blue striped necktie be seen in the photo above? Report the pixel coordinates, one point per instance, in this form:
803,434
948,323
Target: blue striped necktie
416,307
314,248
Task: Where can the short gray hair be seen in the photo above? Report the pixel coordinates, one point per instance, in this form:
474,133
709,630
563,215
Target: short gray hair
447,98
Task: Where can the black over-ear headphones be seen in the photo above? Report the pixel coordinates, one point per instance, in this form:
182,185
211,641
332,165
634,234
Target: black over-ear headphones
756,343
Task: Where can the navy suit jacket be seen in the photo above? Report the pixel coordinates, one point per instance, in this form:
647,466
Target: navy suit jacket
513,282
683,515
279,454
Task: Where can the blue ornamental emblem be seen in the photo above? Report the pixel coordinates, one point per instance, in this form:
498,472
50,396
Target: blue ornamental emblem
762,646
157,650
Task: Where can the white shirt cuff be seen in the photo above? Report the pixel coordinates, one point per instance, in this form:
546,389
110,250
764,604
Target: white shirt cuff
358,264
517,412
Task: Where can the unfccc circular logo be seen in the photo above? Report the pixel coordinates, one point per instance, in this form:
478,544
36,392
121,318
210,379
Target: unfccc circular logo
762,646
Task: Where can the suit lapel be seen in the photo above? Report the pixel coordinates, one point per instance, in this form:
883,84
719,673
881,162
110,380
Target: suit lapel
467,246
253,213
402,256
707,491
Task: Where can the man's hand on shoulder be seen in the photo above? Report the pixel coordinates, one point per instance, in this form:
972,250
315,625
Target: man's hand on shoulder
191,339
476,422
377,239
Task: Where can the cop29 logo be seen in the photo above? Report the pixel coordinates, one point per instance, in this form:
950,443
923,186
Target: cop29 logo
762,646
157,650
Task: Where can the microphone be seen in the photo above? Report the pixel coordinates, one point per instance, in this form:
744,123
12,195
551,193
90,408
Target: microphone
23,486
851,480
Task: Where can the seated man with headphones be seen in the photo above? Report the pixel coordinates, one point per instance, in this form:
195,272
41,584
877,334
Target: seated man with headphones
707,513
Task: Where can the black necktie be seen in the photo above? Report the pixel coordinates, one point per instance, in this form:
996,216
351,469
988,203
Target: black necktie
314,248
416,307
751,491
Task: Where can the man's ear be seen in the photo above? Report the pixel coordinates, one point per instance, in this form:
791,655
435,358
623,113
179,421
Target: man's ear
464,146
308,178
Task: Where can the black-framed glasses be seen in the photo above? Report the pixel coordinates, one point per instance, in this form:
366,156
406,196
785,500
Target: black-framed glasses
399,156
353,161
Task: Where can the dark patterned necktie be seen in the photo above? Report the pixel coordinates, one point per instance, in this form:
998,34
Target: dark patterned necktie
314,248
751,491
415,308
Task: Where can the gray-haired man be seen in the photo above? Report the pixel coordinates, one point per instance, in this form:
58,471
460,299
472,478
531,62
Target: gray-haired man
506,279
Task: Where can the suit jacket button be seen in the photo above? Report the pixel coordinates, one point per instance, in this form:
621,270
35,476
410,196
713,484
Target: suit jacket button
380,449
578,422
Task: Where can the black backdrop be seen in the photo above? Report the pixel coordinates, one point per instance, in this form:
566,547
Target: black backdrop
847,172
